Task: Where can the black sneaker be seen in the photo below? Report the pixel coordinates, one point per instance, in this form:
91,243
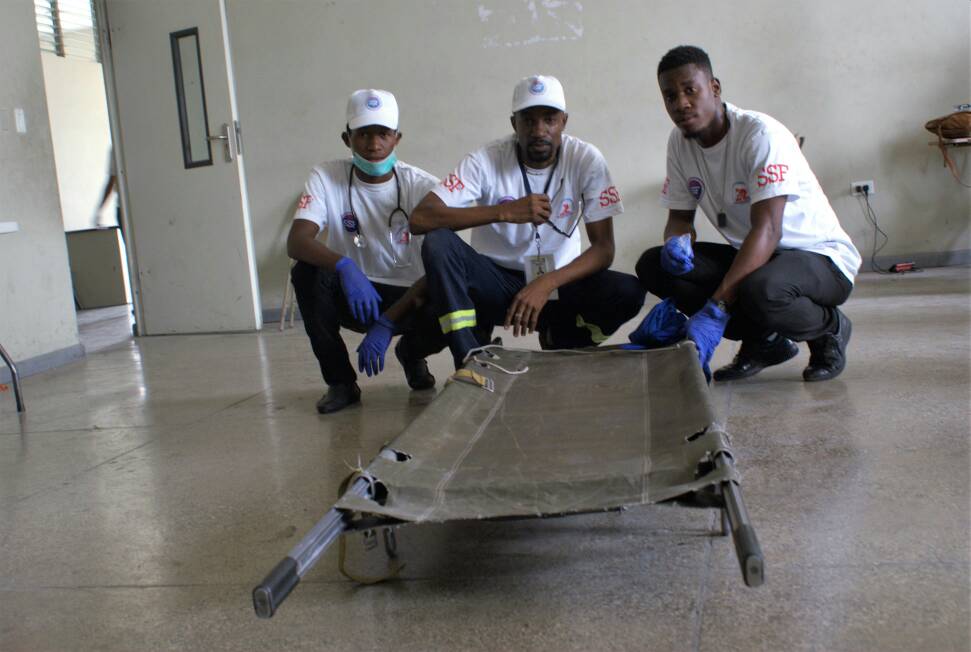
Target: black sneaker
827,354
416,371
755,355
339,397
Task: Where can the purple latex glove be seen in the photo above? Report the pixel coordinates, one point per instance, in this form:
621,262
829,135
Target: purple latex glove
362,298
705,329
370,353
677,258
663,325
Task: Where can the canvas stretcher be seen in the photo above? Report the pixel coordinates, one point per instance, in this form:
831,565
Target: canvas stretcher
520,434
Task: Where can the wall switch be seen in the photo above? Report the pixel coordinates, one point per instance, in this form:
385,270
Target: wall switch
856,187
21,120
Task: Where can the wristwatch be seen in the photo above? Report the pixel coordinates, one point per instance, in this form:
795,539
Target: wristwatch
722,305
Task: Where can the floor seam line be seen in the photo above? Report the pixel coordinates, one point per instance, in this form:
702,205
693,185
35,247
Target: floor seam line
698,615
83,471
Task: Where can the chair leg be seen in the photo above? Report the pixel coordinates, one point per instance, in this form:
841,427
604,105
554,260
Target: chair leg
287,299
15,380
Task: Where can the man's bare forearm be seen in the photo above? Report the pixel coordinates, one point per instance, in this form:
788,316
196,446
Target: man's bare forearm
302,245
410,301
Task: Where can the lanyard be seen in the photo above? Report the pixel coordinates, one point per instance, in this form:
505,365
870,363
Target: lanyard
722,218
529,189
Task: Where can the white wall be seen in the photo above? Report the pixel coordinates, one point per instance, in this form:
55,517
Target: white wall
36,306
858,78
81,137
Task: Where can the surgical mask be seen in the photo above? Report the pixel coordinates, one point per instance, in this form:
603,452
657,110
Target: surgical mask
375,168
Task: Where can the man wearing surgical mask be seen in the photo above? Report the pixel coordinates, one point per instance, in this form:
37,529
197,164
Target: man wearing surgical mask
366,272
523,197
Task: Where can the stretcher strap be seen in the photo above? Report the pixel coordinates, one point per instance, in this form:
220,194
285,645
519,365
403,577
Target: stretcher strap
489,358
393,572
396,565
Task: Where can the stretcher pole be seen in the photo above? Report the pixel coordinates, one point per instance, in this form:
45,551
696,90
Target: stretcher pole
269,594
743,534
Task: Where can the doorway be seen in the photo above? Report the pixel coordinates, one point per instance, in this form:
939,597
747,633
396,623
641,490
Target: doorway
87,181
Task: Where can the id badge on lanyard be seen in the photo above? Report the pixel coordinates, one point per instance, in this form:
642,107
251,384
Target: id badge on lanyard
541,263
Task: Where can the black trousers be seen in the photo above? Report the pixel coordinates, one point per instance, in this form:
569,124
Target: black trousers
324,310
794,294
471,295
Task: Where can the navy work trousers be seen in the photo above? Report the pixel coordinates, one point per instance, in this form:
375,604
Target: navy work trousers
471,294
324,309
794,294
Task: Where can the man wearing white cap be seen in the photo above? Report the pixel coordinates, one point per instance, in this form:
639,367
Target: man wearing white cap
368,262
524,196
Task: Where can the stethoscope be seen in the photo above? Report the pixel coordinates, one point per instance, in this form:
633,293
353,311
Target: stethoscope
397,221
546,191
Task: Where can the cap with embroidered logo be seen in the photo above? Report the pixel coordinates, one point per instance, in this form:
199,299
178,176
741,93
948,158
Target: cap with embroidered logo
538,90
370,106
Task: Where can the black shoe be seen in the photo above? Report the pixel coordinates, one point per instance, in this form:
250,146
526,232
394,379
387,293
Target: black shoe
754,356
416,371
827,354
339,397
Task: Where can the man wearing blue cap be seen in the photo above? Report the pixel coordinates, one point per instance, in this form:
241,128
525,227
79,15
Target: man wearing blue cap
523,197
368,261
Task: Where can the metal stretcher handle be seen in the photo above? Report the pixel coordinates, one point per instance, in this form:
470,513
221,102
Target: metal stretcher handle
269,594
743,534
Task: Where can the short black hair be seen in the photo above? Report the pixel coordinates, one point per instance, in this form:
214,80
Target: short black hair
682,56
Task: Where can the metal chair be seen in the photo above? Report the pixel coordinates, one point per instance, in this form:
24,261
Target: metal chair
15,379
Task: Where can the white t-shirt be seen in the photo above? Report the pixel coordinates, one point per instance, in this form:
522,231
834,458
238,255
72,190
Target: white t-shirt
757,159
491,175
325,203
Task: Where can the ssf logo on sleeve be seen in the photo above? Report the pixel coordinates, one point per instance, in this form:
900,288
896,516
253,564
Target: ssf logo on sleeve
453,183
609,197
774,173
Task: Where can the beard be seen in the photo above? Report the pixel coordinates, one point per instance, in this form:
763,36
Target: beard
539,151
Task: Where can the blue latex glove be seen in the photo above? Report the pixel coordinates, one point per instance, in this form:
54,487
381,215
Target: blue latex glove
663,325
677,258
705,329
370,354
362,298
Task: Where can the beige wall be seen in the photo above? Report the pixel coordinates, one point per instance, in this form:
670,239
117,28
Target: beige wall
79,130
857,78
36,307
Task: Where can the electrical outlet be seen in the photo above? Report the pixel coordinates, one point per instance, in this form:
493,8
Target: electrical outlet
856,187
20,120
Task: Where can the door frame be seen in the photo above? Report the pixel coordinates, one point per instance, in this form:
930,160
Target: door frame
118,151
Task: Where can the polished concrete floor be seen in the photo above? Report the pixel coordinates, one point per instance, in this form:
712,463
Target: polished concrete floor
102,328
152,484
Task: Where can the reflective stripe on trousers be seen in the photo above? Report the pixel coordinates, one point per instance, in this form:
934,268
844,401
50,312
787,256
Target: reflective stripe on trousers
457,320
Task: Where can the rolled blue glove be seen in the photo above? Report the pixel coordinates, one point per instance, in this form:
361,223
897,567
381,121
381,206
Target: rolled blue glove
705,329
663,325
362,298
370,353
677,258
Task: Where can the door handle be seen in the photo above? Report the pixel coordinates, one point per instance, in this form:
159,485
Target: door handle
228,137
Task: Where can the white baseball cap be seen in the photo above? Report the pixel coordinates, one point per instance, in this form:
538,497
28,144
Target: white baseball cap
538,90
369,106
